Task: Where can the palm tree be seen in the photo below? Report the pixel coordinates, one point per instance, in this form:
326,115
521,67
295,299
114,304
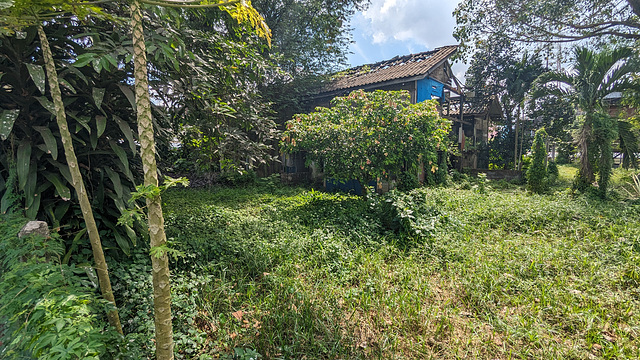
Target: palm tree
594,75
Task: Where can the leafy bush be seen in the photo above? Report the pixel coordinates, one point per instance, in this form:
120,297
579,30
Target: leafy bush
238,178
407,181
408,214
552,172
440,176
566,151
369,135
537,172
49,310
97,115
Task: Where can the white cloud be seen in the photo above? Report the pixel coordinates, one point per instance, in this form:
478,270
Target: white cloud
425,22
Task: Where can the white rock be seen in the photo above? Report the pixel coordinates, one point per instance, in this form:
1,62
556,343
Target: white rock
35,228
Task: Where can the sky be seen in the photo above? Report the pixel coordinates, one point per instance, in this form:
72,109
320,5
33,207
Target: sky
402,27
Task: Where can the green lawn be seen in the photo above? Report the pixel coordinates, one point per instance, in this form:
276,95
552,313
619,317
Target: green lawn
436,273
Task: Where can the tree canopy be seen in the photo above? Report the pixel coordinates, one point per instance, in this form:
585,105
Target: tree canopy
546,21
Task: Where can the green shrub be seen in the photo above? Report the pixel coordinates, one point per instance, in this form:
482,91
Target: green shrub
440,175
369,135
552,172
237,178
537,172
407,181
49,310
457,176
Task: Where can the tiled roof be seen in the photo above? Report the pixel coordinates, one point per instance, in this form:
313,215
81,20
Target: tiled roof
400,67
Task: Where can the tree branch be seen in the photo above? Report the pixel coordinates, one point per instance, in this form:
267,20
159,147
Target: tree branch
167,3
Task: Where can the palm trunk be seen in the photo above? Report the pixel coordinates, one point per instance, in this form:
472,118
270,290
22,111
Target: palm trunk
522,131
586,170
159,264
78,183
546,150
515,150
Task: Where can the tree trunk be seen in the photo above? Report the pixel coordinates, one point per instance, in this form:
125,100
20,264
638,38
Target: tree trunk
78,183
522,131
546,149
586,170
159,264
515,151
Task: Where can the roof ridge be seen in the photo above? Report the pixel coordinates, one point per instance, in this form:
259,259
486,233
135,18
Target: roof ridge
398,67
398,57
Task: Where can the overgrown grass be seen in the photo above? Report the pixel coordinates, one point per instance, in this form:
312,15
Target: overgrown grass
299,274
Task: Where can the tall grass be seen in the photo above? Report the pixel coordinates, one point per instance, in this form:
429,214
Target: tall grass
299,274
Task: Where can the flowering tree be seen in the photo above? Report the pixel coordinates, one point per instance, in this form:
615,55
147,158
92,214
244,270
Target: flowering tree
370,135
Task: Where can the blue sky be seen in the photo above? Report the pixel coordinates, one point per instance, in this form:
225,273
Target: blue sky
401,27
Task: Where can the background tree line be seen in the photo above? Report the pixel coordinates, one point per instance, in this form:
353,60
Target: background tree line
552,64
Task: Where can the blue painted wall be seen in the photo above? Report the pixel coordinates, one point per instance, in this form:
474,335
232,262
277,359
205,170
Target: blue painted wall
350,187
429,88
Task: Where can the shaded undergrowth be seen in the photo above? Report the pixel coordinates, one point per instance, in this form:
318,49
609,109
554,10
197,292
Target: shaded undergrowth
434,273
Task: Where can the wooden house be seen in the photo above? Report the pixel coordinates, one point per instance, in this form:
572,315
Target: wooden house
426,75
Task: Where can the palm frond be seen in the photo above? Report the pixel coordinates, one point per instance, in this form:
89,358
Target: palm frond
629,144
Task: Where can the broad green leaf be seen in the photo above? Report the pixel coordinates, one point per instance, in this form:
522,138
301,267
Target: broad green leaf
64,170
38,77
63,190
94,140
132,234
122,155
66,84
47,104
117,201
5,203
115,179
112,60
101,124
30,187
82,122
74,242
23,162
98,96
32,211
84,59
7,119
76,72
97,65
126,130
49,140
129,94
60,210
123,243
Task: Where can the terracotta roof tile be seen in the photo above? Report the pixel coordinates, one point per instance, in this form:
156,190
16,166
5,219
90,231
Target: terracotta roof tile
399,67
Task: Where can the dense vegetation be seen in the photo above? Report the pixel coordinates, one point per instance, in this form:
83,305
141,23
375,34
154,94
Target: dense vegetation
370,135
477,269
480,269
